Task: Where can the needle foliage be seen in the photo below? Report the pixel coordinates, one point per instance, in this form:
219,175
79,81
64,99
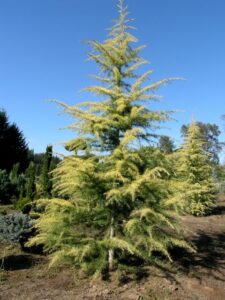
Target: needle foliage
196,188
115,186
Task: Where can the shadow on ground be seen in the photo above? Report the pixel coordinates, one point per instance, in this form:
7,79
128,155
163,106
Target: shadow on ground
18,262
208,260
218,210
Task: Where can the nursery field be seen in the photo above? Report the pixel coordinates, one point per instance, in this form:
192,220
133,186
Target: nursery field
194,276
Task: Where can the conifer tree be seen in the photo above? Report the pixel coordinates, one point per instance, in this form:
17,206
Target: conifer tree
116,193
13,146
5,187
14,172
30,182
45,176
195,172
210,135
166,144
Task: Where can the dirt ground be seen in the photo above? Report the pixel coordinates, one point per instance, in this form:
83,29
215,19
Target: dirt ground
199,276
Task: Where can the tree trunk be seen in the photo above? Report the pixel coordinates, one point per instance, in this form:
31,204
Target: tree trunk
111,251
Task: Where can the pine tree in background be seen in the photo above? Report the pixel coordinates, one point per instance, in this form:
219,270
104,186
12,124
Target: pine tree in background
195,173
166,144
22,186
116,193
45,176
5,187
14,177
210,135
13,146
30,182
14,172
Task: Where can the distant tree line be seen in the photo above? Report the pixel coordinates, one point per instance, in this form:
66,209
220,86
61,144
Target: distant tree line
24,175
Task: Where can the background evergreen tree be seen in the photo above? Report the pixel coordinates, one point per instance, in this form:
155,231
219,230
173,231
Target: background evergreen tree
45,175
21,183
13,147
5,187
195,173
12,185
210,135
30,182
166,144
14,172
14,180
116,195
38,159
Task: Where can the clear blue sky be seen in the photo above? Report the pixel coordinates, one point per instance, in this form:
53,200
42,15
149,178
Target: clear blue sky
42,56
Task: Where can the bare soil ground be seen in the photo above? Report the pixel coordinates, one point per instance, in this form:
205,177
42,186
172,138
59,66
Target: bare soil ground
194,276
